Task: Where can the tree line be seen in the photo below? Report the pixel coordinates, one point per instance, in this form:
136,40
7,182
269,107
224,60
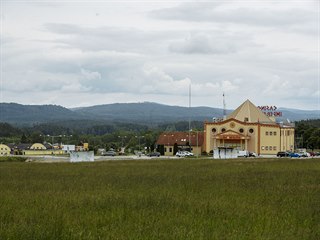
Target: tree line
129,135
99,135
307,134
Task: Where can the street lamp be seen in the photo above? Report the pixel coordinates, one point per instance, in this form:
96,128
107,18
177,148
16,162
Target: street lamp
197,140
139,141
52,137
44,137
122,137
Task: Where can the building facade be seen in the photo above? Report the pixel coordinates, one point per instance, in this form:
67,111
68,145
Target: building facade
37,146
169,143
4,150
248,128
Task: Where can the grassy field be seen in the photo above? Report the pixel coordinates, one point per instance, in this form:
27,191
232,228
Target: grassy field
161,199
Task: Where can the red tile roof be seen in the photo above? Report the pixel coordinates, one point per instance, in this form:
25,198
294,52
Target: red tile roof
181,138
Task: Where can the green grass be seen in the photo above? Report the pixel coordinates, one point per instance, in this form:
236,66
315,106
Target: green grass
12,159
161,199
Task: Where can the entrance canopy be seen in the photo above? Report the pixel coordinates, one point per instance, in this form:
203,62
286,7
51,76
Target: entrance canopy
232,135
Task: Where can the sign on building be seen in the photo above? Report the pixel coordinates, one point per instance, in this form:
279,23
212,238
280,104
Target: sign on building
68,148
270,111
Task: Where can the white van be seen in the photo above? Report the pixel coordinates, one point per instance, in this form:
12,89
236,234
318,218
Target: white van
243,153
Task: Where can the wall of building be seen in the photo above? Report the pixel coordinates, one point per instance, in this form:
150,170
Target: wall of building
265,139
43,152
269,139
196,150
250,130
168,150
38,146
4,150
287,139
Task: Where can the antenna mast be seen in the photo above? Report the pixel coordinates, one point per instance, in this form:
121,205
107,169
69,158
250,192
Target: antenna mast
189,115
224,108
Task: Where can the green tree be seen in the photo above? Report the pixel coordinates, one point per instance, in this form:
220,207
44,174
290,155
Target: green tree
24,138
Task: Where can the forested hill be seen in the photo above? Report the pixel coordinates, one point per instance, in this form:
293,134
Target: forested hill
26,114
145,113
150,113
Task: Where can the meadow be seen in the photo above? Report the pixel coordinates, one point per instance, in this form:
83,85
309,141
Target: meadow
161,199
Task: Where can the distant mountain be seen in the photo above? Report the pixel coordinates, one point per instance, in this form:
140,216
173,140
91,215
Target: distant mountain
145,113
297,114
149,113
27,114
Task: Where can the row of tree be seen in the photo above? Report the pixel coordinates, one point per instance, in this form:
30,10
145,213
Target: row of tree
307,133
98,135
133,136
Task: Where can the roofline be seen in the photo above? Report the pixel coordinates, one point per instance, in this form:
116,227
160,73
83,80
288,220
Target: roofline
244,123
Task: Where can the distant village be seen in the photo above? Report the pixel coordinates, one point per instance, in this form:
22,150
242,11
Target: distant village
247,129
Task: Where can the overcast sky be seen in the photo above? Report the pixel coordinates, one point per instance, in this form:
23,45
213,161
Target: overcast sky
84,53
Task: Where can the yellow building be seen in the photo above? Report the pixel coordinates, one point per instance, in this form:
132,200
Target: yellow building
37,146
248,128
4,150
43,152
169,143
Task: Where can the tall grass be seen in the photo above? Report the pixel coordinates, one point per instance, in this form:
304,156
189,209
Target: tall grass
12,159
161,199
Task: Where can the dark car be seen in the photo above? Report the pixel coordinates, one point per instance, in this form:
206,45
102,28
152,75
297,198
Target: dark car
282,154
110,153
154,154
294,155
252,154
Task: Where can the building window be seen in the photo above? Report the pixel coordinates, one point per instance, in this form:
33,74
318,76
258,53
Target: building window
170,149
275,133
241,130
270,133
266,147
246,119
288,133
214,130
267,133
274,148
270,148
262,147
251,130
223,130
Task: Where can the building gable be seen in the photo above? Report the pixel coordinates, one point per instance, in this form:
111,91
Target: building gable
248,112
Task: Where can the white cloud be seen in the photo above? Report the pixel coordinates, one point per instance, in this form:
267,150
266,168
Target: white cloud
200,43
89,75
153,52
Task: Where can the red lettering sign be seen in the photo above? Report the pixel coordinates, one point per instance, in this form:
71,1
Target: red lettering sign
270,111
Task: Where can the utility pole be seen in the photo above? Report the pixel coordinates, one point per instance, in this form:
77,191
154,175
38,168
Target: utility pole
189,116
224,108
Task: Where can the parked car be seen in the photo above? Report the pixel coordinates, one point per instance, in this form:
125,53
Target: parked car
294,155
110,153
181,154
283,154
252,154
312,154
187,153
154,154
139,154
304,154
